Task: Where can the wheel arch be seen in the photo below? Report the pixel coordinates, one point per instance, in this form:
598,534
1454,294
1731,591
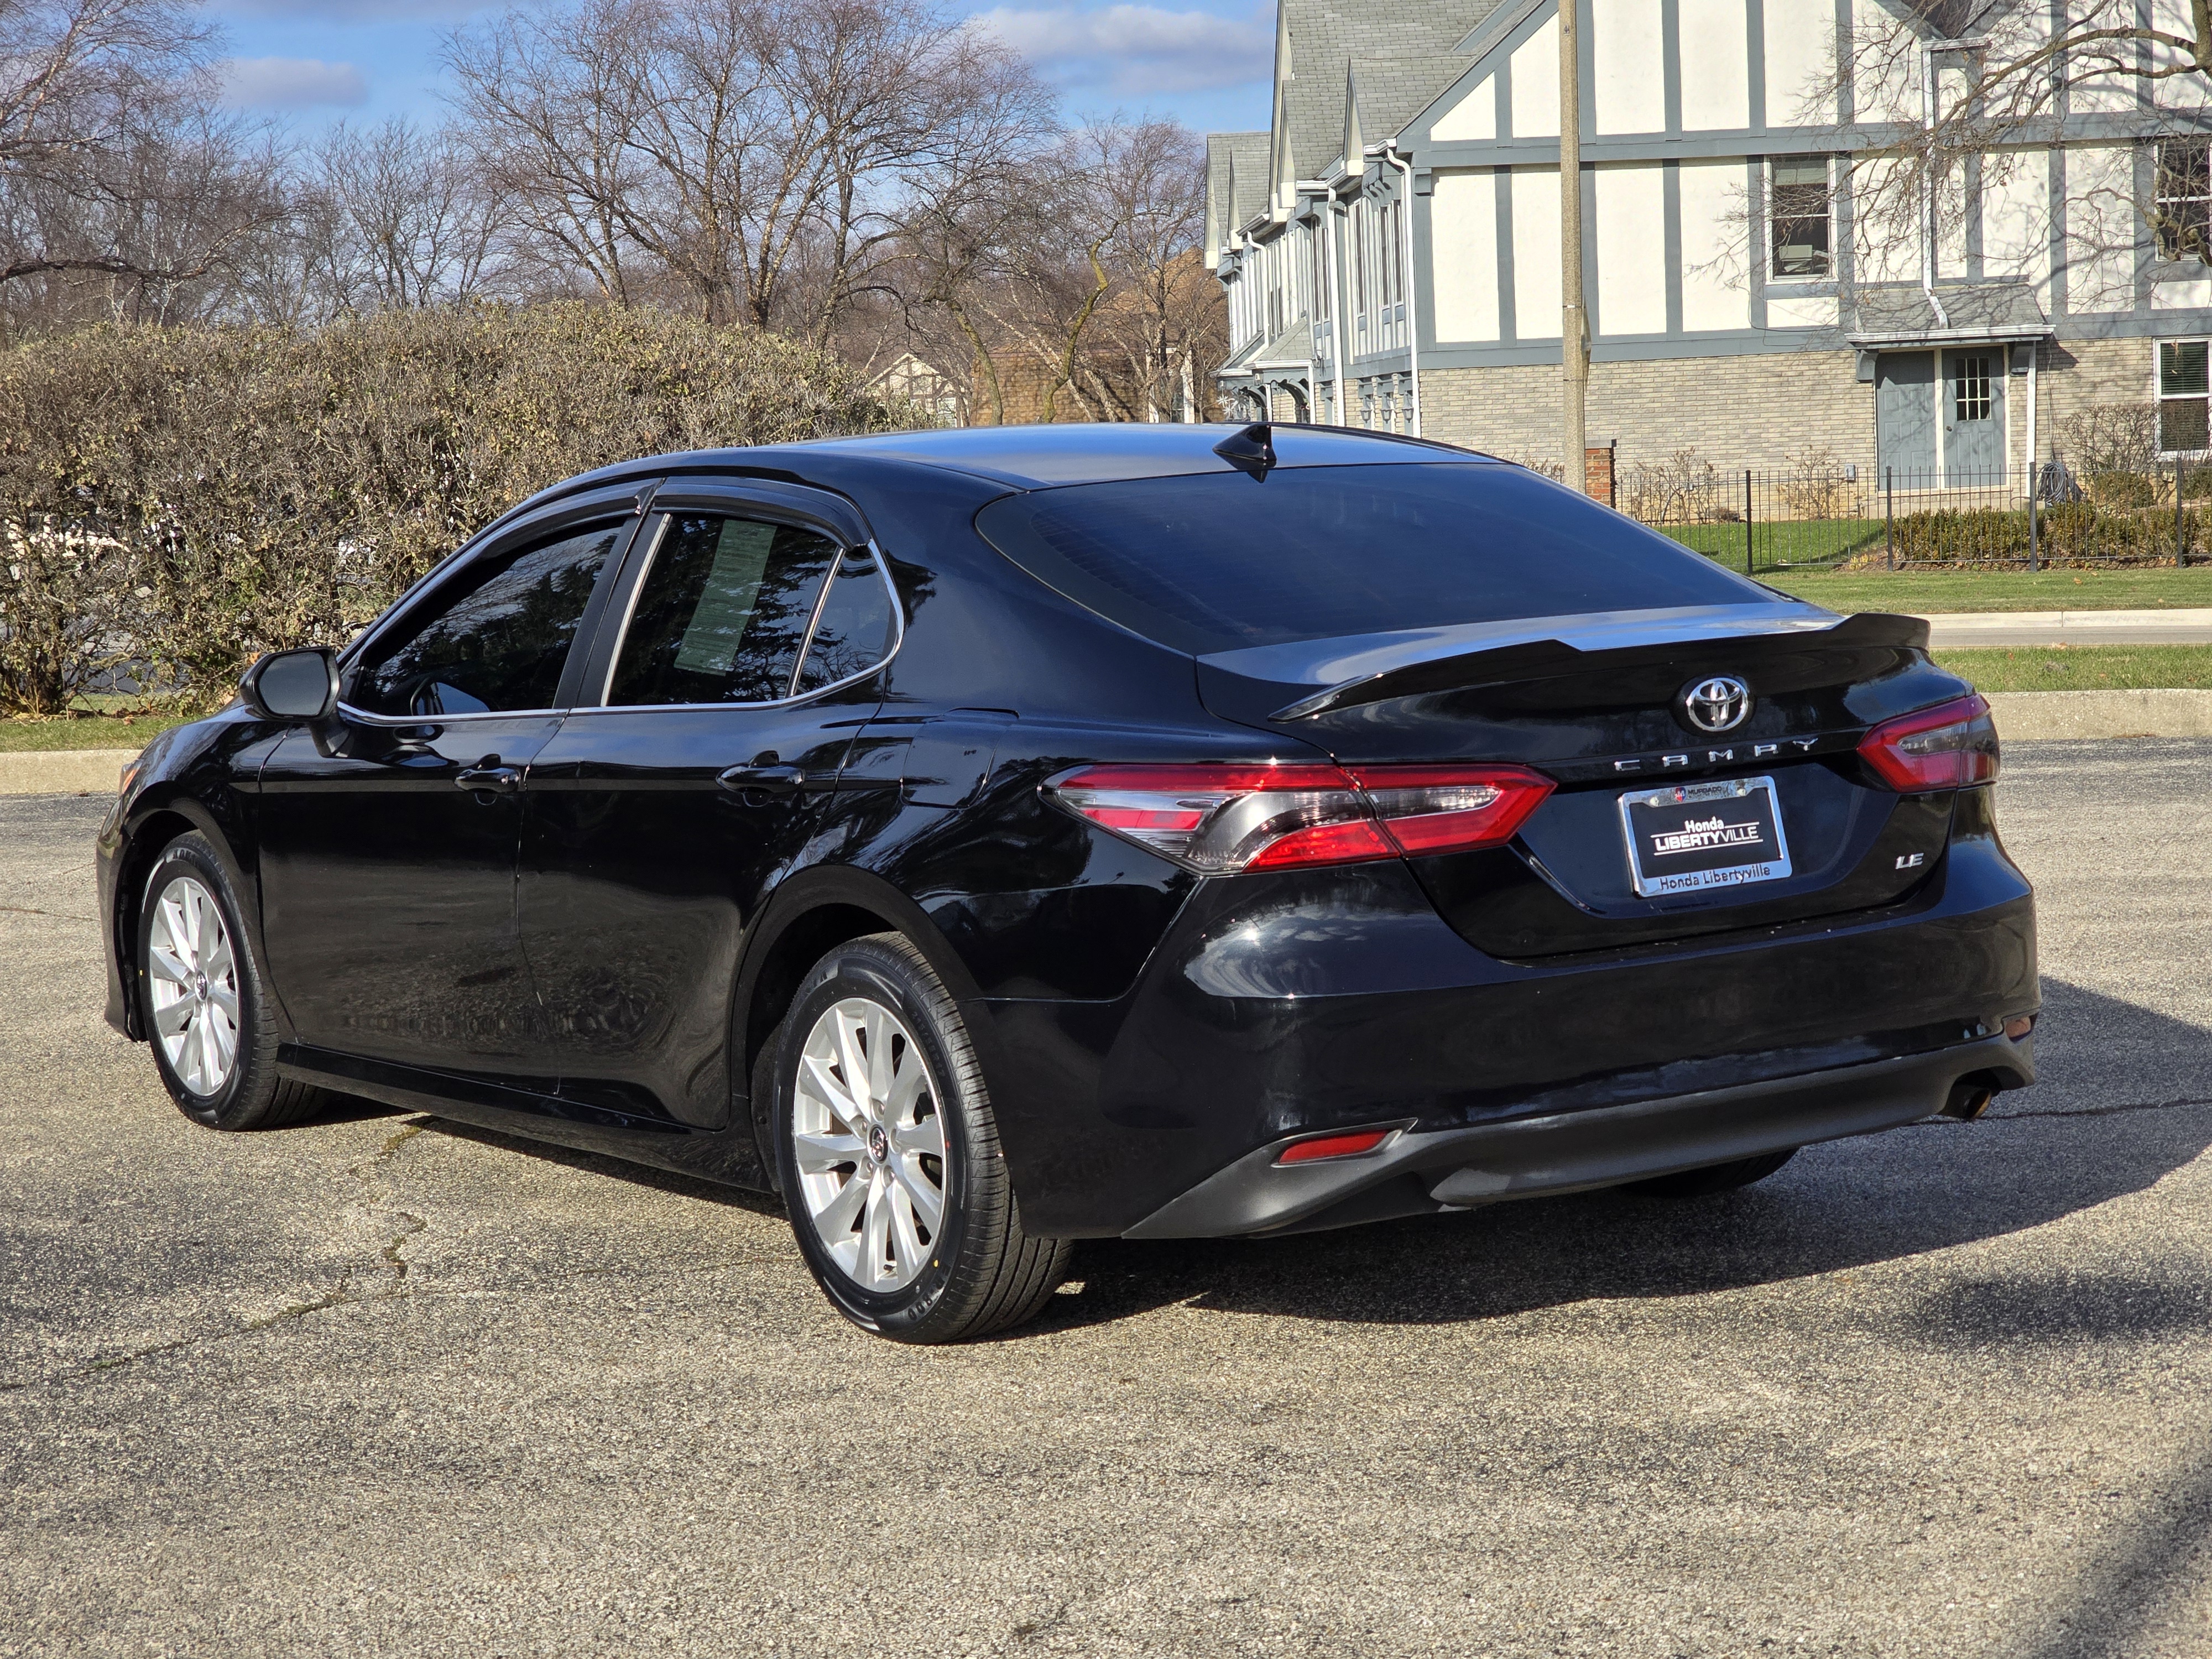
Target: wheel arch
147,835
810,916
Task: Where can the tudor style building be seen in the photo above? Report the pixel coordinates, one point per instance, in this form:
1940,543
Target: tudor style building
1391,247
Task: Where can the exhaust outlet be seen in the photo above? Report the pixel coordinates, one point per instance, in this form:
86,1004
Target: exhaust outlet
1968,1101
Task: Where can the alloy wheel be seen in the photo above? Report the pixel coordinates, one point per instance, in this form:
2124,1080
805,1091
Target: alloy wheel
192,973
868,1138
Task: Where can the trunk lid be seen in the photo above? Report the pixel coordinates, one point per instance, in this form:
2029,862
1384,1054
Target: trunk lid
1598,704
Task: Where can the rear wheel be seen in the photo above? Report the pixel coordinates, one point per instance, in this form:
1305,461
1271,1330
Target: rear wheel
890,1155
1714,1177
205,1000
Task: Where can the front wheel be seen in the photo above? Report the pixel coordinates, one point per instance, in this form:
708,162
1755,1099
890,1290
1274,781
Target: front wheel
205,1000
890,1155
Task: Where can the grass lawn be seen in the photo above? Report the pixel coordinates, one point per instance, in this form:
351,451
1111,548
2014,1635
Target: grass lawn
2083,667
83,732
1785,541
1928,592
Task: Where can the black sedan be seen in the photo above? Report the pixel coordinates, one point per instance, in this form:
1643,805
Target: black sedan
993,839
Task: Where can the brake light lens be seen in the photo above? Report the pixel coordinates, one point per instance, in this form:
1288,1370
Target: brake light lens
1218,820
1314,1148
1946,747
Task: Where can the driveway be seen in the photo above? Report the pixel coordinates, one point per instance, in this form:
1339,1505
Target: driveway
381,1384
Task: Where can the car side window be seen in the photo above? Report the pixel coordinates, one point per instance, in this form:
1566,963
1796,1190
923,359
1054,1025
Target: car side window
854,631
492,639
722,612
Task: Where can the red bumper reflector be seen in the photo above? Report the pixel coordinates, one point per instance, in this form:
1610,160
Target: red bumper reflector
1316,1147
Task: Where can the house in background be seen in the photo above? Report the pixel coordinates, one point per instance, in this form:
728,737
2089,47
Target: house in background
1390,246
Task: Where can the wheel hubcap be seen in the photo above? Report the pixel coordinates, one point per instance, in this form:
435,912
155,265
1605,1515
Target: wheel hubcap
194,977
870,1144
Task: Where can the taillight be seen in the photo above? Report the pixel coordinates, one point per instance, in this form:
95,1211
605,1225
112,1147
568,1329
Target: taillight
1946,747
1220,819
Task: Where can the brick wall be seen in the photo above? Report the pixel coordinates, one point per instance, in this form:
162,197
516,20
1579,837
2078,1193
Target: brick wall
1756,411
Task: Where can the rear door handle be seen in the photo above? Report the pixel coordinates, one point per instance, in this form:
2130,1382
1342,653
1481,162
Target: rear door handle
489,777
768,780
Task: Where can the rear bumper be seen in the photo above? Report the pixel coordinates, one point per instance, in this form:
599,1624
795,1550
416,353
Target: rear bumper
1424,1170
1293,1004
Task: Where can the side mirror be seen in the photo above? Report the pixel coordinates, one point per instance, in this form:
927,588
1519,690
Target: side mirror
292,685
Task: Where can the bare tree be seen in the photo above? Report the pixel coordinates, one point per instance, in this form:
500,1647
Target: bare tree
114,165
735,148
1973,98
414,224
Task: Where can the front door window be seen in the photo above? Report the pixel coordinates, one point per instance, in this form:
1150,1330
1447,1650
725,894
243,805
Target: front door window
492,641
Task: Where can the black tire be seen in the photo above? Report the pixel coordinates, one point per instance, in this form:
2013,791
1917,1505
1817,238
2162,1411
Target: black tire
250,1095
1714,1177
982,1272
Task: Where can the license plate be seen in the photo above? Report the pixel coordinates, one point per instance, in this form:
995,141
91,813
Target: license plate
1697,836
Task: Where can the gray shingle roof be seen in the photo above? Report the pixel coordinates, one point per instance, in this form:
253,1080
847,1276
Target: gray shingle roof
1971,311
1235,182
1326,35
1392,91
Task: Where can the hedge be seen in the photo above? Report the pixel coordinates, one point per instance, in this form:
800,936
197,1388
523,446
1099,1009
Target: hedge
176,501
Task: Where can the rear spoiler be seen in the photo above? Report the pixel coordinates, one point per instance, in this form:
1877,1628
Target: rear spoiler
1384,666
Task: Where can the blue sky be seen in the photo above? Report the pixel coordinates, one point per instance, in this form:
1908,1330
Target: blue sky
1203,62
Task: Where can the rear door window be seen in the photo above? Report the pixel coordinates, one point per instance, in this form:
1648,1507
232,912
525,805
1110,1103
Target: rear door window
493,638
853,633
722,613
1219,561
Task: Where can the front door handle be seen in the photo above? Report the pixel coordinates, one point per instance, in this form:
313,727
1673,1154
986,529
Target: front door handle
489,777
767,780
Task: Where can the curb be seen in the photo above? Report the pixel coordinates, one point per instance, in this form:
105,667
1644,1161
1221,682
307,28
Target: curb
2027,715
63,771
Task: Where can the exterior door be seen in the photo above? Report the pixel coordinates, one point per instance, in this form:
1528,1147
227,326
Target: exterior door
1972,399
388,837
1904,417
658,821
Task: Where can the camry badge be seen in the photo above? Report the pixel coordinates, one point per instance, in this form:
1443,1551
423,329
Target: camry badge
1719,704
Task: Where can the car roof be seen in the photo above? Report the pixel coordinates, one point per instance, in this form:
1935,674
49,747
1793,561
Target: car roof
1040,457
1012,457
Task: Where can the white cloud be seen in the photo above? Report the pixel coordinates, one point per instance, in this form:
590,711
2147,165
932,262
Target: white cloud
1136,51
290,83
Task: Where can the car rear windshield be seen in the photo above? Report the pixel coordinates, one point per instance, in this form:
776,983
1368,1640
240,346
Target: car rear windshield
1220,561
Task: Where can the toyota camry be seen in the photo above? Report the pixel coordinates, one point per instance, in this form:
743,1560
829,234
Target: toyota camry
989,840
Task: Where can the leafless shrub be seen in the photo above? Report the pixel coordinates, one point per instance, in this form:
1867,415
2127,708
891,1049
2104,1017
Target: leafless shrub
188,499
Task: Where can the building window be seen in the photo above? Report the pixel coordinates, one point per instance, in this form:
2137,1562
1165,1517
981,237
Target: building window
1970,388
1798,210
2182,427
2182,220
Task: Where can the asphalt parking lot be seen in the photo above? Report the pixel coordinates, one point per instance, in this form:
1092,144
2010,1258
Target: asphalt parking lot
380,1384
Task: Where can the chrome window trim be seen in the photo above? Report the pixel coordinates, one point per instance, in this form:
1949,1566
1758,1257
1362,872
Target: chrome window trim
790,699
362,717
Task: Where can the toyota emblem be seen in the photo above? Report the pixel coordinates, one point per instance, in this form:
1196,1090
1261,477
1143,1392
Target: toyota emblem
1719,704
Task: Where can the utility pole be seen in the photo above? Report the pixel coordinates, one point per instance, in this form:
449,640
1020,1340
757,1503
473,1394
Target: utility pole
1574,332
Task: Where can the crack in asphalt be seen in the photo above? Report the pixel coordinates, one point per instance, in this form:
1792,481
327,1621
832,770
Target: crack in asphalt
27,910
340,1294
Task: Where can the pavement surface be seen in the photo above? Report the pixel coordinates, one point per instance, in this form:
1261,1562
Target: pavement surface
379,1384
1957,630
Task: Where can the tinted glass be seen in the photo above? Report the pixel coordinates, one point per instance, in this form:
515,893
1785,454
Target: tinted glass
1221,561
722,613
855,629
492,638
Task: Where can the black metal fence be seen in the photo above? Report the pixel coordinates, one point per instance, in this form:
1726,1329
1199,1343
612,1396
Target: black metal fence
1888,518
